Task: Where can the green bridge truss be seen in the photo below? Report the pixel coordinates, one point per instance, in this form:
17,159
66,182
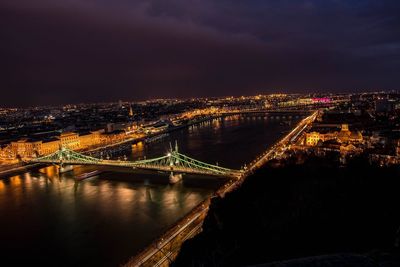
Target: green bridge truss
173,161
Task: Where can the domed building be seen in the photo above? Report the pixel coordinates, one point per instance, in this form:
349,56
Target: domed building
347,136
344,134
356,137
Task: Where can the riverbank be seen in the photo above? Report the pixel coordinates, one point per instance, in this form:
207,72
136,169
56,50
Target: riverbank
21,167
165,248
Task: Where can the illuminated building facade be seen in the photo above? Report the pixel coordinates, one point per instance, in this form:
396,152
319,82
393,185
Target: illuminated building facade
70,140
90,139
50,146
26,148
6,153
312,138
343,136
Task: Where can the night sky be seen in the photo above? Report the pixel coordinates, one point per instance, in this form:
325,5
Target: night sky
72,51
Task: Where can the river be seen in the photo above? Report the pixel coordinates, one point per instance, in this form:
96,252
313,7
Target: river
49,219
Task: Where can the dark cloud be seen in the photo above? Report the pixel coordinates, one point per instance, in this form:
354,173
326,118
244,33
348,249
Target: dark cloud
64,51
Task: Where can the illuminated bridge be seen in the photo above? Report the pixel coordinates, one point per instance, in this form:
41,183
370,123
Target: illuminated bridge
172,162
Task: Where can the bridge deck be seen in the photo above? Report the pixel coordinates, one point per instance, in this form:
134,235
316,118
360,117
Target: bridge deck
178,169
172,162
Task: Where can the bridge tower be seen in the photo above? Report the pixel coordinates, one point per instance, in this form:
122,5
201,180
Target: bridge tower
60,159
176,146
61,166
173,157
176,153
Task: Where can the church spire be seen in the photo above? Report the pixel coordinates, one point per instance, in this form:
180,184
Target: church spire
130,111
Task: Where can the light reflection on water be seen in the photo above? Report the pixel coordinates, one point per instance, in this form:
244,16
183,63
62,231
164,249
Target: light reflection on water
105,220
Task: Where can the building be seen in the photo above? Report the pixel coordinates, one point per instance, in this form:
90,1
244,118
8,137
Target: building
27,148
344,136
70,140
312,138
6,153
347,136
115,136
90,139
156,127
49,146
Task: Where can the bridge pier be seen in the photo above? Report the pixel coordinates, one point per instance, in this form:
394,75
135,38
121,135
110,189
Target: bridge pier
174,178
65,168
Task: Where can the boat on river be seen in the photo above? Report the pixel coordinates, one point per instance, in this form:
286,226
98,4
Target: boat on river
156,138
87,175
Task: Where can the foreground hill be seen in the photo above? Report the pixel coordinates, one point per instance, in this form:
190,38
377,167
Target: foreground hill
313,214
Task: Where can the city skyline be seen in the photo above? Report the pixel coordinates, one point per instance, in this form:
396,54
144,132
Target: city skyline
62,52
126,102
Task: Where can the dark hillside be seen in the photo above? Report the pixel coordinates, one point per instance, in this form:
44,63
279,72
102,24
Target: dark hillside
302,211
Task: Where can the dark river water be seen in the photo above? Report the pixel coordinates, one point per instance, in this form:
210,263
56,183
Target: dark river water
49,219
